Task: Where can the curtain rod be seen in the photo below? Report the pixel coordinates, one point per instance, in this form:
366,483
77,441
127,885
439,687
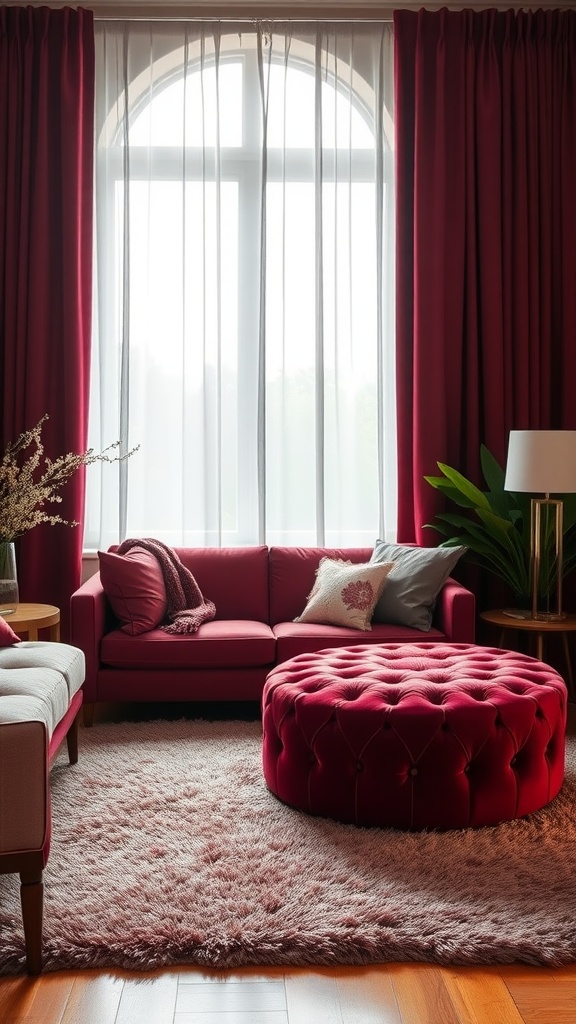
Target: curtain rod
272,10
248,12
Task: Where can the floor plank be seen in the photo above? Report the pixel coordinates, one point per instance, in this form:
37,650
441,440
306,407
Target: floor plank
540,1002
94,999
16,997
148,1000
312,997
367,996
481,997
197,976
239,996
35,1000
567,973
422,995
232,1017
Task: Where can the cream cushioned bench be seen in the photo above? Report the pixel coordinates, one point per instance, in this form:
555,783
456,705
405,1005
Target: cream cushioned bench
40,697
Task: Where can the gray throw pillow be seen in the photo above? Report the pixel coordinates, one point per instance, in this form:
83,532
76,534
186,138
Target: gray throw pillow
414,583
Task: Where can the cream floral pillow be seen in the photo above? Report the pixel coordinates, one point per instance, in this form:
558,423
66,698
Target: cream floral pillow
345,593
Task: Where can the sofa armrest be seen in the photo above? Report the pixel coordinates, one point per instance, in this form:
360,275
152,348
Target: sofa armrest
90,618
455,613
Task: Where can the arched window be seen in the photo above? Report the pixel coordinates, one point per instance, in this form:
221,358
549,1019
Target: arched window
244,285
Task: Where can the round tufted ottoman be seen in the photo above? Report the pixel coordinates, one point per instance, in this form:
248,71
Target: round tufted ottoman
414,736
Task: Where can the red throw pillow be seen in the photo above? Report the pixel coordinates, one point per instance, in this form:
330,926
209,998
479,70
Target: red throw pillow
7,634
135,588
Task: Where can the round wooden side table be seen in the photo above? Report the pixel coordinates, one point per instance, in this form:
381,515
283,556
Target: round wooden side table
539,628
29,618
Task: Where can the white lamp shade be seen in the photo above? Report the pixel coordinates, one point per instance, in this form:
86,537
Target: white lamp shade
541,461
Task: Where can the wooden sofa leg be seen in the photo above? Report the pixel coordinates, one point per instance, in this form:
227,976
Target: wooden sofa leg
32,900
88,715
72,741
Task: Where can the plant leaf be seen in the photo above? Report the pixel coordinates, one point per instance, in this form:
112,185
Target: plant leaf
447,488
470,494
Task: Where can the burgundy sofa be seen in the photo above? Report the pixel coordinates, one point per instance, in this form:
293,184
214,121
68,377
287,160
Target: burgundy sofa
258,592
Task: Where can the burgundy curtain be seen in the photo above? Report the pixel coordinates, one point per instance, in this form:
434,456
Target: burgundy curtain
46,198
486,239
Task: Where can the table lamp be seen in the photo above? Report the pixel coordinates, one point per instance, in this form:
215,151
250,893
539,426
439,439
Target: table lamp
543,462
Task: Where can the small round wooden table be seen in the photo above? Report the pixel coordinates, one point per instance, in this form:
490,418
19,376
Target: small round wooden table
539,628
29,618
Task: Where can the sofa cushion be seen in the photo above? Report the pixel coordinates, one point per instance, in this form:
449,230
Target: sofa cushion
135,588
233,644
294,638
293,574
42,655
344,593
34,695
38,680
412,588
7,634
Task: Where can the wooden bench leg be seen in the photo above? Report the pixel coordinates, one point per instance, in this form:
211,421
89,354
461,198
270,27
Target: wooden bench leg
32,900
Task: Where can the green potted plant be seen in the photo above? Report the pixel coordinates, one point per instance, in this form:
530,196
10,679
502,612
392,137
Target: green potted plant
495,527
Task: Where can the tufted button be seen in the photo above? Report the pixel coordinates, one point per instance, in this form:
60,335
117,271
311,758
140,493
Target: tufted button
413,771
312,758
359,766
513,761
467,768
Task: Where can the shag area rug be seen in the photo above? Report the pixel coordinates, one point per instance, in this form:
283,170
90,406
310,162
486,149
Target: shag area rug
167,849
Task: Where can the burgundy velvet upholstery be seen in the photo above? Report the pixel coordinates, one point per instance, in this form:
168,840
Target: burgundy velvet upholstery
415,736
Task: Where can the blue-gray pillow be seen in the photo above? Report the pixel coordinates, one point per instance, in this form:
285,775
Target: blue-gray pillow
414,583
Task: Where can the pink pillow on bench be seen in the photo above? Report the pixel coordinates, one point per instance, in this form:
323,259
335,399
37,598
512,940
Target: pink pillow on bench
7,634
134,586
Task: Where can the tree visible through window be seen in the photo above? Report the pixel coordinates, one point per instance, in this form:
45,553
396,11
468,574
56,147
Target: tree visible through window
244,284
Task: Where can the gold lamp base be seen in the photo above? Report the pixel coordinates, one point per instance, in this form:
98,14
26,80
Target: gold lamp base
540,509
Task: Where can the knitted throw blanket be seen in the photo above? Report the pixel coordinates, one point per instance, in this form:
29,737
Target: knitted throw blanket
187,608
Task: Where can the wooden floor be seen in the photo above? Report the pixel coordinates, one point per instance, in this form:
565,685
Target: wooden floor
383,994
390,994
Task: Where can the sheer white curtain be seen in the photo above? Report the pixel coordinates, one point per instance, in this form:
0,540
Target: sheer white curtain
243,327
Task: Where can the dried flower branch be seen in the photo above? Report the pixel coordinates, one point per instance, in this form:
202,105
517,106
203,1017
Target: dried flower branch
23,499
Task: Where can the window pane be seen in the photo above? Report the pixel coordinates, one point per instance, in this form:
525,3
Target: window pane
347,361
202,108
183,357
292,115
